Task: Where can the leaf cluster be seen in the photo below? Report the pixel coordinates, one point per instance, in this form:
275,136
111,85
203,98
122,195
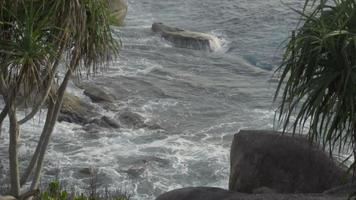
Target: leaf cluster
318,74
38,35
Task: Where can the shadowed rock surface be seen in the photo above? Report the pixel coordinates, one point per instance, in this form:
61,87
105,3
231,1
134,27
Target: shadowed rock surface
186,39
283,163
211,193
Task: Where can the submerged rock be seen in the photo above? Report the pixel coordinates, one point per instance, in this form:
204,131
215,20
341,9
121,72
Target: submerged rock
129,119
211,193
282,163
187,39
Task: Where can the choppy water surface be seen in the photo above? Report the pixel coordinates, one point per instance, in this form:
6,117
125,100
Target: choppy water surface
199,99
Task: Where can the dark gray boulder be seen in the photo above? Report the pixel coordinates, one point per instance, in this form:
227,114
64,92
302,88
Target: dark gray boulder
283,163
211,193
187,39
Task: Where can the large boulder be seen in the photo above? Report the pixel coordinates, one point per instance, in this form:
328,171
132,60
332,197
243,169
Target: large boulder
187,39
283,163
75,110
211,193
118,10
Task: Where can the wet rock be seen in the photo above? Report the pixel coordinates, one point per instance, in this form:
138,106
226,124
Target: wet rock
263,190
98,94
211,193
186,39
135,167
283,163
87,171
135,172
93,130
110,122
132,120
153,126
74,110
105,122
118,10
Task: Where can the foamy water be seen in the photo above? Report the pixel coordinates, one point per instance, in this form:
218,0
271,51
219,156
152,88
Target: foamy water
198,99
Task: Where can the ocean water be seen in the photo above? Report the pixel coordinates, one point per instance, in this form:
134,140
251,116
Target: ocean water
199,99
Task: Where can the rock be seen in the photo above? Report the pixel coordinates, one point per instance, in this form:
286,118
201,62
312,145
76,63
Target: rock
105,122
93,130
135,172
187,39
74,110
343,190
132,120
211,193
88,171
110,122
263,190
196,193
97,94
283,163
7,197
118,10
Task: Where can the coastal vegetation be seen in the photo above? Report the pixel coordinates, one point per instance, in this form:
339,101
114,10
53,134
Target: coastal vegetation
42,44
318,76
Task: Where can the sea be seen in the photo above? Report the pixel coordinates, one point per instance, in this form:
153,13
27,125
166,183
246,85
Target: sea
197,99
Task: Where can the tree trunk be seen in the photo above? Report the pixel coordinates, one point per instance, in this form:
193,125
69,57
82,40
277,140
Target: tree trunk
13,154
48,130
34,159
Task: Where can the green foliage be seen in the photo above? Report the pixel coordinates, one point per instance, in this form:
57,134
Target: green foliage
35,34
40,39
54,191
318,74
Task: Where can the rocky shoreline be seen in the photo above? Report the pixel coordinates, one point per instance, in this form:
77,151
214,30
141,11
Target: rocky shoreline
268,165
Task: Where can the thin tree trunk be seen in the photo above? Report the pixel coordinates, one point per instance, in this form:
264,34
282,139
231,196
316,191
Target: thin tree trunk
34,159
3,115
49,129
33,162
13,154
